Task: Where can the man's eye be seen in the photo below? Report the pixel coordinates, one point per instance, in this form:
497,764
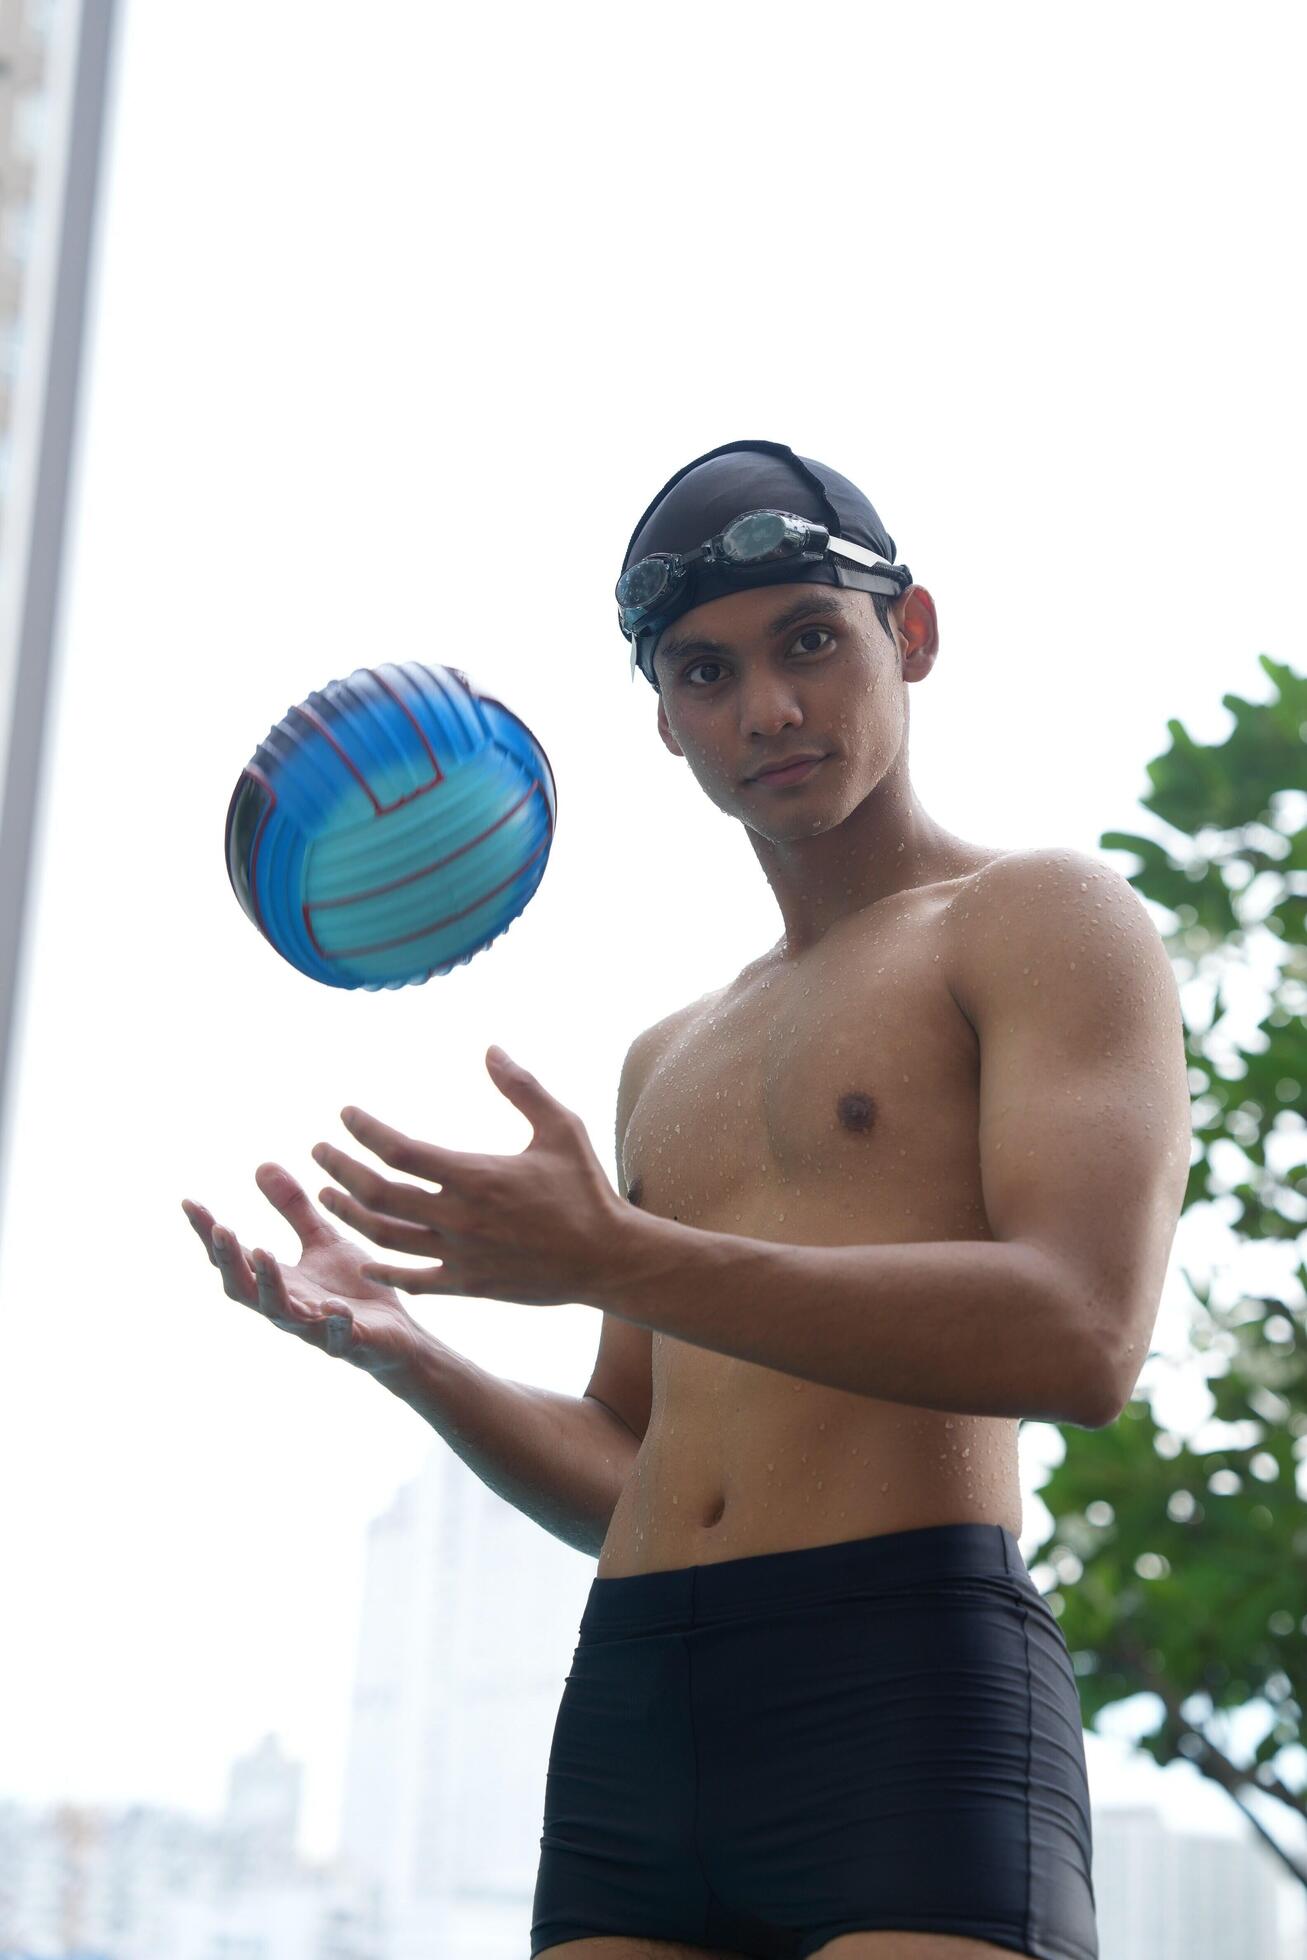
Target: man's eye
824,633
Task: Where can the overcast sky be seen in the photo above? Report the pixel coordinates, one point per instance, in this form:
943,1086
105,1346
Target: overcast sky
399,320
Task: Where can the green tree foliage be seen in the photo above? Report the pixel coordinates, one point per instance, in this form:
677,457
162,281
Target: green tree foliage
1184,1569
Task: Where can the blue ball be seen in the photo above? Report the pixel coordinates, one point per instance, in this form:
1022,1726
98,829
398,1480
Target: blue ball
390,827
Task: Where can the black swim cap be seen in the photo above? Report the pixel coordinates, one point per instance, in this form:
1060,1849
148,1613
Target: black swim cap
700,499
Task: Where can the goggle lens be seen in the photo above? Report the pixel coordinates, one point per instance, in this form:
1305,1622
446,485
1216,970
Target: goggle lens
751,539
759,535
646,582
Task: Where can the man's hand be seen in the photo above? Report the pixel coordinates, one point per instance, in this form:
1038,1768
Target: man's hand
325,1299
539,1229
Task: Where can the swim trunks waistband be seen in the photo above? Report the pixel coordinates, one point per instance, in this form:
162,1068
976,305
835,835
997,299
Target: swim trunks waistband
698,1595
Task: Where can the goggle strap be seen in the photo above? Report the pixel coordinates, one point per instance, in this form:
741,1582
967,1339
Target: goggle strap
857,554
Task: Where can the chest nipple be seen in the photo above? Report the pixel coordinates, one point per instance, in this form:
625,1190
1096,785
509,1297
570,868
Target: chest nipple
856,1110
635,1192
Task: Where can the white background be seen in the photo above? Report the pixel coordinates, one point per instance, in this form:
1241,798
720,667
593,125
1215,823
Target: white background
401,317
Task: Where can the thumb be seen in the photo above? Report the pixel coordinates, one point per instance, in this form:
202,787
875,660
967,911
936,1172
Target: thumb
520,1086
292,1201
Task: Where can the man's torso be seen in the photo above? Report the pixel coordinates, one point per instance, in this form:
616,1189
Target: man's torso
831,1099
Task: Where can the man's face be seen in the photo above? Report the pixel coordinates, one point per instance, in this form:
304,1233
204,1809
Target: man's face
777,671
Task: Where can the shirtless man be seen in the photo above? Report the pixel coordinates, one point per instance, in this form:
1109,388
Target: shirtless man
911,1176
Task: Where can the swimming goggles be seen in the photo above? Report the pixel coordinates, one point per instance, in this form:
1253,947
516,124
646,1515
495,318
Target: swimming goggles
652,585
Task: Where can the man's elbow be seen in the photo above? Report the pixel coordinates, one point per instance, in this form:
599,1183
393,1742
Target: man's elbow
1091,1389
1102,1395
1113,1364
1094,1343
1101,1414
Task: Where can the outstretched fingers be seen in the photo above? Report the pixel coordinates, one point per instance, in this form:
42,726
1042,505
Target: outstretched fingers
411,1279
256,1279
422,1241
336,1323
382,1197
409,1154
227,1254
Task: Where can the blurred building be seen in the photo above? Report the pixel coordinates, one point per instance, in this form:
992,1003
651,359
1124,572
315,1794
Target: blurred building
1165,1894
148,1883
261,1820
24,66
469,1621
55,61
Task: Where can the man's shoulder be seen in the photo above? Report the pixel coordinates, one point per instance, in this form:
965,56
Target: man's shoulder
1053,873
652,1042
1033,899
1029,865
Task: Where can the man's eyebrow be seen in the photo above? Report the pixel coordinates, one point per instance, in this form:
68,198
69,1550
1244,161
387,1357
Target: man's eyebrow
818,606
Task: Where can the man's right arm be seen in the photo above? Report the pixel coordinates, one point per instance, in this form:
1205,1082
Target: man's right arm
561,1459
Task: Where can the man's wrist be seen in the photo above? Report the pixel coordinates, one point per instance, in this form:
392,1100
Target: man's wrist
409,1370
643,1253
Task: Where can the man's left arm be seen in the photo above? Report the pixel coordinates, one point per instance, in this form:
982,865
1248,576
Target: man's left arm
1084,1155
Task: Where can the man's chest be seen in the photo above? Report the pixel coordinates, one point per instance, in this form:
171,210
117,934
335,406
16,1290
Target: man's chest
837,1090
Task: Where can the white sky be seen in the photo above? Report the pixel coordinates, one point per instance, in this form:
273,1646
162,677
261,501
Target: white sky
382,322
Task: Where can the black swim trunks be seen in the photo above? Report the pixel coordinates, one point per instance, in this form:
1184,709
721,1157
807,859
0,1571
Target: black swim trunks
768,1752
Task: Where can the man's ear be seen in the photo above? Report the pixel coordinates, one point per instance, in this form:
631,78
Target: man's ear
917,638
669,740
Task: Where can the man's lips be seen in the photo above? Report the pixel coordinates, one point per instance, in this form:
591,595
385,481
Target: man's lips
791,771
